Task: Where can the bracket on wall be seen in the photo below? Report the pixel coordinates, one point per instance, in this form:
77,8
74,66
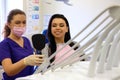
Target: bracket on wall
65,1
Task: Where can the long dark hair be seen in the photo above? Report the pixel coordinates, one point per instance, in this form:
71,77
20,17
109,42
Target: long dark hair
52,43
12,13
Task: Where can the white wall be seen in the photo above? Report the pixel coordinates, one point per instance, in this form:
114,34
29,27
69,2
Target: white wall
13,4
1,17
78,15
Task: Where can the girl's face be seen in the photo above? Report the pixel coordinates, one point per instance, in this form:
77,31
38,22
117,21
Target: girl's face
59,28
18,20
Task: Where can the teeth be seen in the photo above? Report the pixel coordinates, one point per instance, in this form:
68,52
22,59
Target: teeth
57,32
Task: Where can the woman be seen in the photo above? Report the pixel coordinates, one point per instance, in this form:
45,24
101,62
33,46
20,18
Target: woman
16,53
58,34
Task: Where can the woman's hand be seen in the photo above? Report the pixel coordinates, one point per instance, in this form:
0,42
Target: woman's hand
33,60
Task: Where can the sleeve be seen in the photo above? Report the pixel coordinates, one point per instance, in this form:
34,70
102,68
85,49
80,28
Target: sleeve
4,51
45,50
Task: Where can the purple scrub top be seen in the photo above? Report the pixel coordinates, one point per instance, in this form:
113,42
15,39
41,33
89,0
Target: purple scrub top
10,49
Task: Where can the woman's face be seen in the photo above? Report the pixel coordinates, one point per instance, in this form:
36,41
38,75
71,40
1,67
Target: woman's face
59,28
18,20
